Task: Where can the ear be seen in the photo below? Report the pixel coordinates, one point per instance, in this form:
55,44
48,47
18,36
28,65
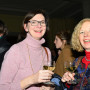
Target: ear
25,27
65,42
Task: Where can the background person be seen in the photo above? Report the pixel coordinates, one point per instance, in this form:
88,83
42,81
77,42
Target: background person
4,44
81,42
62,43
23,63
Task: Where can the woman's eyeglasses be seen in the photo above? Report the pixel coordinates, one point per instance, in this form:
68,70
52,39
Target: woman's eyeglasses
35,22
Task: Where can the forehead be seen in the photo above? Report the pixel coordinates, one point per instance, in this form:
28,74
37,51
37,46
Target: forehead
58,38
86,25
38,17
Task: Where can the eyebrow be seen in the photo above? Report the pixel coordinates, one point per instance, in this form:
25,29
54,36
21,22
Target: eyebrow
36,20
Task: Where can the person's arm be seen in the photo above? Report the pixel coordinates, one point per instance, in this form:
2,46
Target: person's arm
39,77
9,69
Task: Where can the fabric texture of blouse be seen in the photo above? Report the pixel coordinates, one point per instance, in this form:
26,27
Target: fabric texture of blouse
16,65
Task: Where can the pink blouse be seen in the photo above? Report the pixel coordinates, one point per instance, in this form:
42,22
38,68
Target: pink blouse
16,65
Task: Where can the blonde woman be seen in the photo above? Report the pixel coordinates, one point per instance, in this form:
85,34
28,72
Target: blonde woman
81,42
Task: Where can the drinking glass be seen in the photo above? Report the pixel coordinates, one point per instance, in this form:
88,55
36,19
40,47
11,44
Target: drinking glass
49,67
68,65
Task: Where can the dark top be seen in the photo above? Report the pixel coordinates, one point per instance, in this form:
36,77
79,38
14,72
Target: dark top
4,46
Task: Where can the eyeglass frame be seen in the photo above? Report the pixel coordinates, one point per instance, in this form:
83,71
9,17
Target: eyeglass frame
38,22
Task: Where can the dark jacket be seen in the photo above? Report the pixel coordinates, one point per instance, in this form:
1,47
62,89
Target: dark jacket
4,46
58,83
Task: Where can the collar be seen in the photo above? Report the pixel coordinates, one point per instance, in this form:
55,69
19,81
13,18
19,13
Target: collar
33,42
88,58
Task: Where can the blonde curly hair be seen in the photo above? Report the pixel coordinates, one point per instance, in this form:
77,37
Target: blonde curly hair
75,42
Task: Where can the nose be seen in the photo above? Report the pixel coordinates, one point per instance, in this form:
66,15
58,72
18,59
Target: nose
39,24
86,33
55,42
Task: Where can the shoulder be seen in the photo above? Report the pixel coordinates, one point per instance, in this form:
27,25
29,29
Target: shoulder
48,50
67,49
79,58
66,54
14,49
13,52
17,45
4,47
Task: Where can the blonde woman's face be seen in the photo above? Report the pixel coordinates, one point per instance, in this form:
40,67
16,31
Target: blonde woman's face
85,35
58,42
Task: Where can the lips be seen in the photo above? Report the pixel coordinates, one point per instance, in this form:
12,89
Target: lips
39,31
86,40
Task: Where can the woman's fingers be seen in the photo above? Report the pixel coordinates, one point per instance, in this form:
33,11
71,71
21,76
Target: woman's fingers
46,74
71,75
67,77
43,76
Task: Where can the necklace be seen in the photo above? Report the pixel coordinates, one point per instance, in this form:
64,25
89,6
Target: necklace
41,88
30,59
86,59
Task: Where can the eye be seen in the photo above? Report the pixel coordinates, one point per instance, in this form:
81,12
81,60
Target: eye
33,22
43,22
81,32
56,39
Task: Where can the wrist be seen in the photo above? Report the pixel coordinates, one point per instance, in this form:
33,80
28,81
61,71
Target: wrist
26,82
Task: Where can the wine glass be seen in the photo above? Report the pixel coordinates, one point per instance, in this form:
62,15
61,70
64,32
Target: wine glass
69,66
49,67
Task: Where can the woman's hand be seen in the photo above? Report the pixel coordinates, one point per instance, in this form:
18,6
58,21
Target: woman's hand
42,76
39,77
67,77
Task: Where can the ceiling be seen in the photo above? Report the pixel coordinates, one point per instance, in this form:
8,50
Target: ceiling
55,8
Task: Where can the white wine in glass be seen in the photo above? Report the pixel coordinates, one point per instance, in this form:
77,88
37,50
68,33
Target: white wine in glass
49,67
68,65
52,68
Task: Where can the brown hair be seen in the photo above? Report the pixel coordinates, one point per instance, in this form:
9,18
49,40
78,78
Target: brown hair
3,28
64,35
32,13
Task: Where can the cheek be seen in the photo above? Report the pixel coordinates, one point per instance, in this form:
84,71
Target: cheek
44,29
80,38
60,45
31,29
